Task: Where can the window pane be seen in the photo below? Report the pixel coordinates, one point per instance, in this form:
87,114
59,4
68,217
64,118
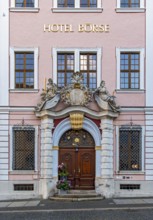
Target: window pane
65,68
65,3
130,3
88,3
24,69
24,3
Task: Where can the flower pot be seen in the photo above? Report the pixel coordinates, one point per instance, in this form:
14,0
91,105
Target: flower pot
62,192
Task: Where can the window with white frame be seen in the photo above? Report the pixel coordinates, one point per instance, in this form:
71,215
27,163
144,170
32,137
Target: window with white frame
86,61
130,6
24,68
23,148
74,5
130,69
24,5
130,148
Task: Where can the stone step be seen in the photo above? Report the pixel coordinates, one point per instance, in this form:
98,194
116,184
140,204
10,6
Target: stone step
78,195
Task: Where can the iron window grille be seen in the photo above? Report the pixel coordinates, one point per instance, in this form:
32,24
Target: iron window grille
65,3
88,3
130,70
23,187
88,67
24,70
130,3
24,3
130,149
129,186
23,148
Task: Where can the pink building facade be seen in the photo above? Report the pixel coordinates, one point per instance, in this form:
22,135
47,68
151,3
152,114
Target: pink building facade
111,151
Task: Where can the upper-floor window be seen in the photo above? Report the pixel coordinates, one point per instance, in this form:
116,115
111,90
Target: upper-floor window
67,61
88,67
77,6
130,3
24,3
24,70
130,70
130,149
88,3
65,68
65,3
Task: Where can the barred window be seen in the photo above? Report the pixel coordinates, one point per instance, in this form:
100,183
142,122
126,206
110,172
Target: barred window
88,67
23,148
88,3
65,68
130,148
24,70
130,70
130,3
24,3
65,3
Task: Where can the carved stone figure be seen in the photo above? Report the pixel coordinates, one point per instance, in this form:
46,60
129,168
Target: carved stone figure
49,96
104,99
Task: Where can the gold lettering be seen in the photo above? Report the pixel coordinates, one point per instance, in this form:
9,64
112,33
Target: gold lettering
81,28
54,27
88,27
68,28
106,28
46,27
95,28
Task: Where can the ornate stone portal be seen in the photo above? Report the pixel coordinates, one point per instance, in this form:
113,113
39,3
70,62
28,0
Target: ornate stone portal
77,104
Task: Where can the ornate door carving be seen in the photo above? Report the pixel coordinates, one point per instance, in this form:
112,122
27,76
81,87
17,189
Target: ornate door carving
77,151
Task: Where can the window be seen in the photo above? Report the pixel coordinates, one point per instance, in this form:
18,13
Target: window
130,70
130,149
130,3
65,68
77,6
88,3
88,67
67,61
23,148
130,6
65,3
24,3
24,70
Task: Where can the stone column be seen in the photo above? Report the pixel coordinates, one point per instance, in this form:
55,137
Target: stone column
107,180
46,168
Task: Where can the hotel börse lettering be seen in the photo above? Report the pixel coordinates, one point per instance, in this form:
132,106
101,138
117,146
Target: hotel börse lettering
68,28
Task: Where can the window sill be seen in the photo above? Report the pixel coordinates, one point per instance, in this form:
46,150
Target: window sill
130,172
130,10
130,91
24,9
23,172
24,90
79,10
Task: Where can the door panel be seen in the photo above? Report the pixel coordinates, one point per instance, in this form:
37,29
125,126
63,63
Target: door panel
67,156
80,165
86,161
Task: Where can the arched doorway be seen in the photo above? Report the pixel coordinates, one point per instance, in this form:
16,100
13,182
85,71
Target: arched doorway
77,151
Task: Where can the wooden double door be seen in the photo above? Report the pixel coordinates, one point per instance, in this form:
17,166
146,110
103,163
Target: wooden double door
79,160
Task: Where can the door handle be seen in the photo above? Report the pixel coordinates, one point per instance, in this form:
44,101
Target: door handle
74,171
79,170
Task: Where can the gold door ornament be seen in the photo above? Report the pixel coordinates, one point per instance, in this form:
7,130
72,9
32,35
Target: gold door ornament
76,120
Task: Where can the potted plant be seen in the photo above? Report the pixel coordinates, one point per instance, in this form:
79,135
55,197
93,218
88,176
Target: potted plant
63,184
